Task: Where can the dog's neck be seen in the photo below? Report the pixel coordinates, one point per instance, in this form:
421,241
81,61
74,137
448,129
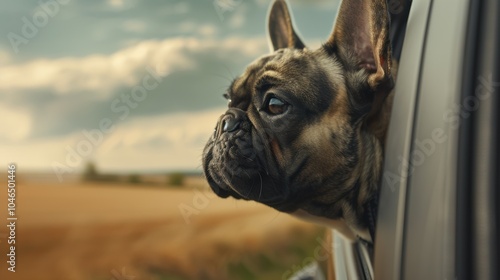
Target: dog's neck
366,179
369,172
351,209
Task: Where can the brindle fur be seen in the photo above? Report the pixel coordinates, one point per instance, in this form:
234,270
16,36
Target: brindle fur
325,155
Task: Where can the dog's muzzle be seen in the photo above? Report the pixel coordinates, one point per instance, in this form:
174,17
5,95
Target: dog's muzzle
229,152
235,162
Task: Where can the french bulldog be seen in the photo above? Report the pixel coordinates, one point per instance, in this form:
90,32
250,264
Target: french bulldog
304,131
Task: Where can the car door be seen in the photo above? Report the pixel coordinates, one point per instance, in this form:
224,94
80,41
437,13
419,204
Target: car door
438,212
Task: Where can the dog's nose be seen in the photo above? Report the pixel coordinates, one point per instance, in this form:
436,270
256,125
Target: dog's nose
230,123
232,120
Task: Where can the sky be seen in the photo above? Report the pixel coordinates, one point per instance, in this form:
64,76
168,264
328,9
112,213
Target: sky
130,85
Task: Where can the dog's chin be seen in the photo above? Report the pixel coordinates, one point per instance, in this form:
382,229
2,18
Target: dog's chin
255,186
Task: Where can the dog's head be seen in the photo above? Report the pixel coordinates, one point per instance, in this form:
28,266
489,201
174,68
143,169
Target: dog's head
297,134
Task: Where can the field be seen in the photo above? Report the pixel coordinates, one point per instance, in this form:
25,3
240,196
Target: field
119,231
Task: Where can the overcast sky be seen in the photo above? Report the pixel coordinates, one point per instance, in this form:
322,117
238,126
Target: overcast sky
146,75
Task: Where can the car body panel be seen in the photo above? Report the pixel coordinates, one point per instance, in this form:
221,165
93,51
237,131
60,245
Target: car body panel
429,238
391,212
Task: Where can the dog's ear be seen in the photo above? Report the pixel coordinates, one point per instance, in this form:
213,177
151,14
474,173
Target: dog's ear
361,39
281,31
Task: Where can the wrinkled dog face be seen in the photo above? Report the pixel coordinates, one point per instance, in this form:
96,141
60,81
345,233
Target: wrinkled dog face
297,133
273,144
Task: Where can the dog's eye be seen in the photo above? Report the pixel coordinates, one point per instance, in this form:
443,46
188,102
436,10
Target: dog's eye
276,106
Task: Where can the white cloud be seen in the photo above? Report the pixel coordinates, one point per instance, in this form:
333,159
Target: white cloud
97,73
179,129
102,74
36,154
163,142
173,141
15,124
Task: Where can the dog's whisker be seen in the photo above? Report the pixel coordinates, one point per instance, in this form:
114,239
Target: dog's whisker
274,218
261,185
232,76
247,158
251,188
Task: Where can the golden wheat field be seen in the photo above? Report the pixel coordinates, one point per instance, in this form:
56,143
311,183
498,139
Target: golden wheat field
118,231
